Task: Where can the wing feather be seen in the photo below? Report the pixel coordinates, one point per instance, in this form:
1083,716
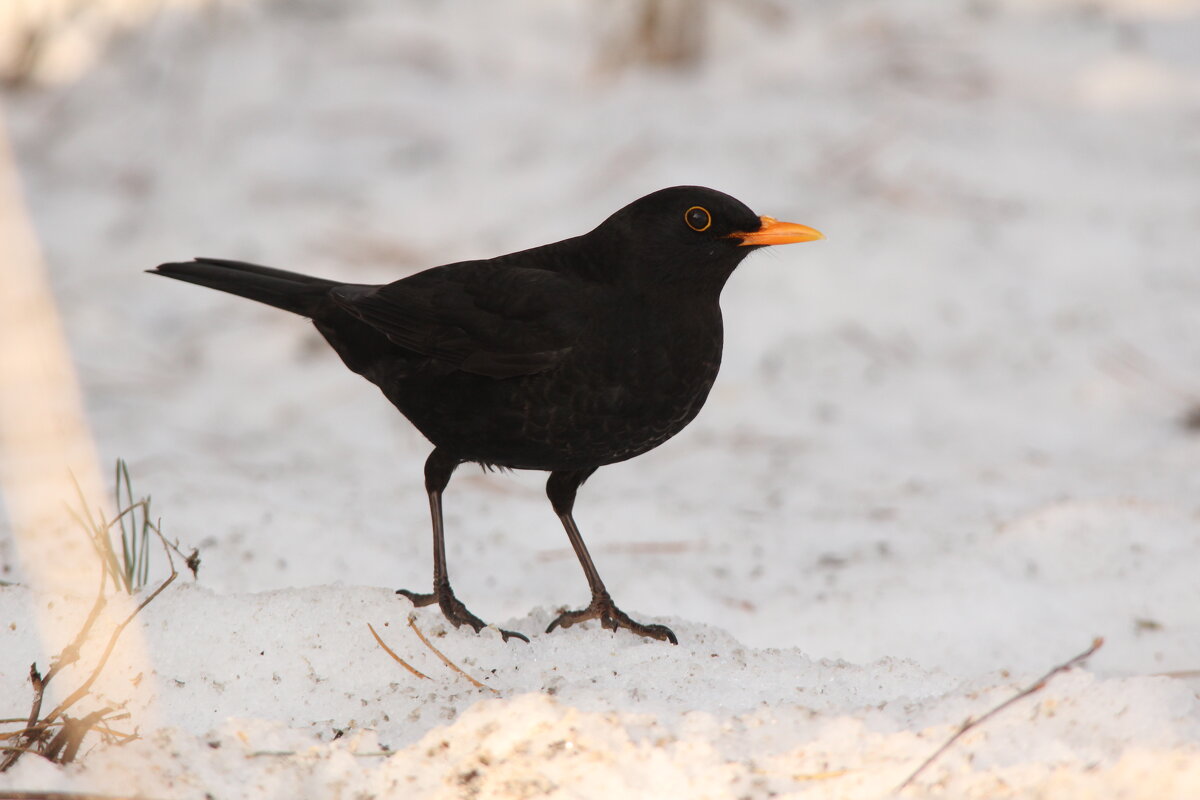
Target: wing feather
481,317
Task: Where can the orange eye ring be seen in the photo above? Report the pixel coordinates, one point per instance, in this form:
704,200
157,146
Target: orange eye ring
698,218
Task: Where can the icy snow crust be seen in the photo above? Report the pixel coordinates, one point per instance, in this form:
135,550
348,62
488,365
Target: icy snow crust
946,448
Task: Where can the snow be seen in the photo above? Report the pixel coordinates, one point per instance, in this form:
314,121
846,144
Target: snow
946,450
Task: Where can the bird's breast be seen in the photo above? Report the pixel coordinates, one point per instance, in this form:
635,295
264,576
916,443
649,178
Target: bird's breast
632,387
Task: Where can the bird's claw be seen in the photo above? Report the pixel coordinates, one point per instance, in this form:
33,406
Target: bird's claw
454,611
611,617
513,635
419,600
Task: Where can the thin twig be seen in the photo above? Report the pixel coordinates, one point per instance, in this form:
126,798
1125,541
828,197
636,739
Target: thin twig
35,728
412,623
64,796
972,722
72,731
398,659
70,654
287,753
35,709
104,729
66,743
112,643
827,775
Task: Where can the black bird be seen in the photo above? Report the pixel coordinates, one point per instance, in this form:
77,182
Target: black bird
561,358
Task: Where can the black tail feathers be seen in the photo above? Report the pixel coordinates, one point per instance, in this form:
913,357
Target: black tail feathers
291,291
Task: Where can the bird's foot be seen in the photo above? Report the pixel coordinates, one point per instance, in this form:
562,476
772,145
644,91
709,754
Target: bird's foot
454,610
611,617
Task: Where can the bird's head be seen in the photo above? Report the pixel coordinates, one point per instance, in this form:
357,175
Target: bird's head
691,235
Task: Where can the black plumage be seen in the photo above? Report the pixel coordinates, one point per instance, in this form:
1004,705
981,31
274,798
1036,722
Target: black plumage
563,358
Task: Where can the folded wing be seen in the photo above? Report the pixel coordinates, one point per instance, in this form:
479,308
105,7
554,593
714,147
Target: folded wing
479,317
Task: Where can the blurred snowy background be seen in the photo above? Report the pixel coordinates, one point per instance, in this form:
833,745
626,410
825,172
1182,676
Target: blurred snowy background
963,432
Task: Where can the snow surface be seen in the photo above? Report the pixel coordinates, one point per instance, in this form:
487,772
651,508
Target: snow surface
947,447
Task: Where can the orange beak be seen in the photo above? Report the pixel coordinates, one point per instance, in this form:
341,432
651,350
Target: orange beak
775,232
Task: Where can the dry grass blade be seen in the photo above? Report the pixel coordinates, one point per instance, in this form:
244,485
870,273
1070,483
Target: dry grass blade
112,643
56,736
1180,674
972,722
66,743
412,623
827,775
114,735
63,747
34,729
65,796
397,658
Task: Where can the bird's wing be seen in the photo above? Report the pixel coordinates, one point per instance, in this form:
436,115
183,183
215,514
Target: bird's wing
479,317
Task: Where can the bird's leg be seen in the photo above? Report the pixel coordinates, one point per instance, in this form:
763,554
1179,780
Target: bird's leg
561,489
438,469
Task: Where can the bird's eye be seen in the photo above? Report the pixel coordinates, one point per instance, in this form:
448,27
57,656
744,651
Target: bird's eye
697,218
